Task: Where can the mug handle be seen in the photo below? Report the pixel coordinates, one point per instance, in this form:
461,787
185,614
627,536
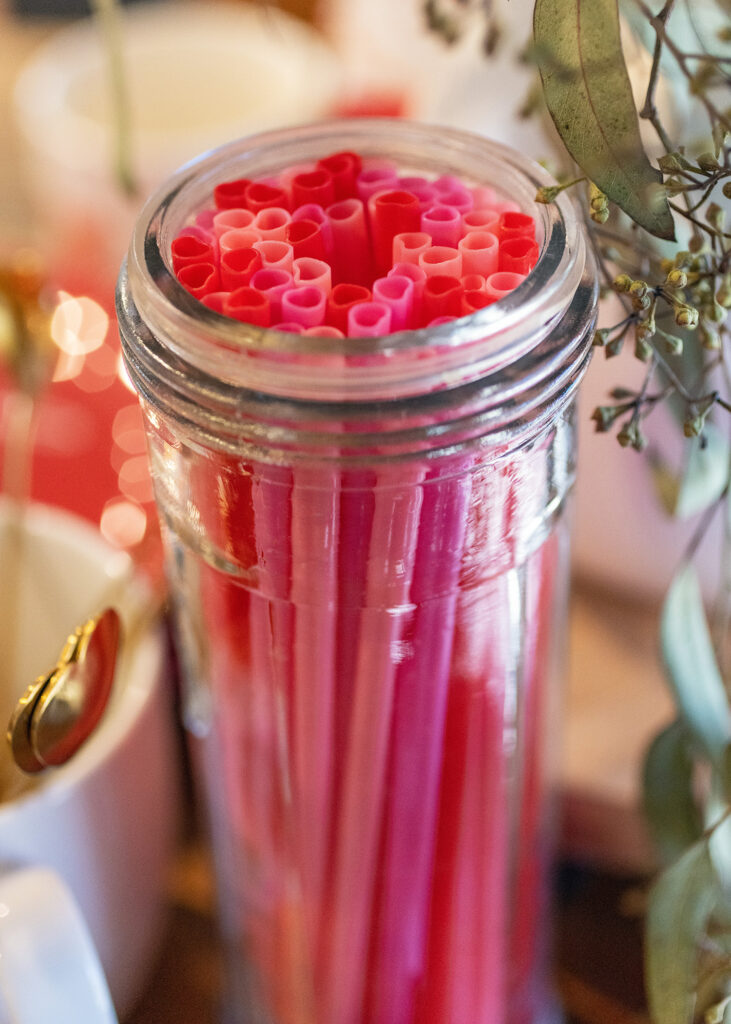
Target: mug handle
49,968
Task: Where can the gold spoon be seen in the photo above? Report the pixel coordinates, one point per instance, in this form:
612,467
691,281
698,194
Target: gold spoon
59,711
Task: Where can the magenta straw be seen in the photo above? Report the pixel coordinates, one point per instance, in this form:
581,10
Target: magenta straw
308,271
369,320
479,251
390,563
304,306
442,260
396,292
443,223
273,284
417,742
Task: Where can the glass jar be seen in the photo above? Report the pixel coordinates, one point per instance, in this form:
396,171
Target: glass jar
367,552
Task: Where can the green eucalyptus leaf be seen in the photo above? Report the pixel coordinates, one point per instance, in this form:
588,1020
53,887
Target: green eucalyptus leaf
680,905
719,848
691,666
588,93
670,809
706,473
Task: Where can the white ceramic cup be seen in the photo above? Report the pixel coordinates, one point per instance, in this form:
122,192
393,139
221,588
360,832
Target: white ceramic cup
105,823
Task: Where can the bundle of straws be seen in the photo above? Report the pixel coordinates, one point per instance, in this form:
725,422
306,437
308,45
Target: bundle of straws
365,666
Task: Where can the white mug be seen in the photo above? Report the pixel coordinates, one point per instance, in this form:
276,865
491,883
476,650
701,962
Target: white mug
106,822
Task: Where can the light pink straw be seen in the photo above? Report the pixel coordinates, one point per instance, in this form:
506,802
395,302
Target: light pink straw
479,251
501,284
485,219
304,306
271,223
309,271
227,220
442,260
275,255
369,320
238,238
473,282
409,245
396,292
443,223
508,206
484,196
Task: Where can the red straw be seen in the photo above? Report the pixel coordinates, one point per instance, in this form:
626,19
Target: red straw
215,301
188,249
369,320
344,168
516,225
238,266
518,255
475,299
391,213
501,284
249,305
479,253
351,248
306,238
314,212
199,278
304,306
259,196
340,300
442,297
443,223
441,260
473,282
231,194
313,187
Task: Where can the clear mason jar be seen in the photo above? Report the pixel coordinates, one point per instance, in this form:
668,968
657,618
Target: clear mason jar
367,549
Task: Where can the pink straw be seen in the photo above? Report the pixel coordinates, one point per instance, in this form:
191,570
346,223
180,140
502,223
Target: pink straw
441,260
271,223
227,220
369,320
304,306
408,247
458,197
417,275
443,223
199,278
238,238
473,282
421,188
486,219
501,284
238,266
396,292
371,180
484,197
479,253
308,271
275,255
273,284
351,247
248,305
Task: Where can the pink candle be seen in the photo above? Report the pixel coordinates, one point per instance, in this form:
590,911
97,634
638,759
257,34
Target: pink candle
479,251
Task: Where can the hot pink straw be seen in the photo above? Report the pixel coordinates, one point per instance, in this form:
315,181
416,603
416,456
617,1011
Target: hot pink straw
275,255
396,292
273,284
441,260
304,306
443,223
351,247
479,251
271,223
308,271
369,320
248,305
501,284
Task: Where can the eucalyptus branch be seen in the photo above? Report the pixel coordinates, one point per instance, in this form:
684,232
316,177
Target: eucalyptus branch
107,15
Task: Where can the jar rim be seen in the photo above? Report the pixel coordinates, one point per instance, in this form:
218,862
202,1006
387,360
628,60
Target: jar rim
323,369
